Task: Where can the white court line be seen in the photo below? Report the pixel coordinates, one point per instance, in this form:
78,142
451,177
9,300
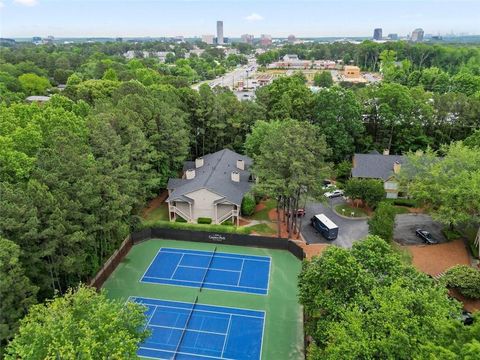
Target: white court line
206,283
200,267
176,267
151,316
227,334
237,257
190,330
210,311
181,353
241,271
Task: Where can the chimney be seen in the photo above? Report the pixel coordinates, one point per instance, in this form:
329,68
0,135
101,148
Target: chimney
396,167
386,151
198,162
235,176
190,174
240,164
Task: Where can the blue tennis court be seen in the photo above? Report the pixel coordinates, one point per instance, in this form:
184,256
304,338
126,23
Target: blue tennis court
209,269
188,331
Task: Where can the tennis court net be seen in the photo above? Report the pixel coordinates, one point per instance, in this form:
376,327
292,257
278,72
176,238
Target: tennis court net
208,268
185,329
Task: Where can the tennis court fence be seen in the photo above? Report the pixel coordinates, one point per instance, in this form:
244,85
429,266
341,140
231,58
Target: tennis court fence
194,236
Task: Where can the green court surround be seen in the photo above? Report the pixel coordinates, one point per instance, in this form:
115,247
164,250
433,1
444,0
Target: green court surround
283,335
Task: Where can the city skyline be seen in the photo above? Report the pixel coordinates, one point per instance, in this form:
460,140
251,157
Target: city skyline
192,18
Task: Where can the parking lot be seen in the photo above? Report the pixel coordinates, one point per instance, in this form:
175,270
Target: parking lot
349,231
407,224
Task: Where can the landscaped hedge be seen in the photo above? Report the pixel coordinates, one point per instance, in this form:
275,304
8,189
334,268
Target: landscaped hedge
204,220
197,227
405,202
248,205
465,279
383,221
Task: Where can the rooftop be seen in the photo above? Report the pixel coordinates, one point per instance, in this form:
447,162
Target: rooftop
214,175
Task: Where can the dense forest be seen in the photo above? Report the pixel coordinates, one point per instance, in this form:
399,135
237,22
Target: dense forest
77,170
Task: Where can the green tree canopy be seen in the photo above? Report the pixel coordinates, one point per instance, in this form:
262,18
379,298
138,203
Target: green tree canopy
80,324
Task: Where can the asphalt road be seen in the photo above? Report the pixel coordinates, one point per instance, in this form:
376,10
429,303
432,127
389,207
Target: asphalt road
407,224
349,231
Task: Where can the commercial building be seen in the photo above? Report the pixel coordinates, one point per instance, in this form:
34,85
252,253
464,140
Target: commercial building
247,39
291,39
377,34
265,40
208,39
220,39
351,71
417,35
393,36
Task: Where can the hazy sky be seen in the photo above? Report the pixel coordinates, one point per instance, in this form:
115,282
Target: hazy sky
84,18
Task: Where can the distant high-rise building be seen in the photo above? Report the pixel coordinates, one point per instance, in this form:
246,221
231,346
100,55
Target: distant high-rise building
393,36
417,35
247,38
377,34
208,39
220,32
265,40
291,39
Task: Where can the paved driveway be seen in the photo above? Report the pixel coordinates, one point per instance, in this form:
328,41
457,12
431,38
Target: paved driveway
348,230
406,224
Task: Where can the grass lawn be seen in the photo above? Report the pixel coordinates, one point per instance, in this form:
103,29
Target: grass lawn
263,229
263,214
160,213
357,212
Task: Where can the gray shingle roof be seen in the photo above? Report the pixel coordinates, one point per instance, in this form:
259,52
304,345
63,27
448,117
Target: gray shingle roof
215,175
376,166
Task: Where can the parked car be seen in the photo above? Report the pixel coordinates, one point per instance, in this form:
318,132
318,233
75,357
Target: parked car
333,194
426,237
300,212
329,187
467,318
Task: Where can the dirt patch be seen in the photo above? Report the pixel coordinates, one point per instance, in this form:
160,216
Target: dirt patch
243,222
260,206
468,304
436,259
154,203
312,249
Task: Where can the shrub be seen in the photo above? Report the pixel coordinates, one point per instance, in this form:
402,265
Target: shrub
248,205
451,234
204,220
180,220
383,221
465,279
197,227
404,202
369,190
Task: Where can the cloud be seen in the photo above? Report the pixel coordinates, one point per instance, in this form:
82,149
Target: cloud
254,17
27,2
